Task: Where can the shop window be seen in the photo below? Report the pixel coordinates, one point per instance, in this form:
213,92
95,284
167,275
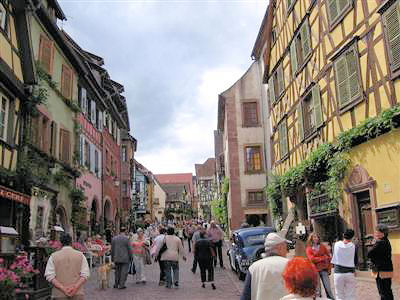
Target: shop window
250,114
300,48
253,159
276,85
337,10
347,75
391,19
46,54
310,113
283,139
66,82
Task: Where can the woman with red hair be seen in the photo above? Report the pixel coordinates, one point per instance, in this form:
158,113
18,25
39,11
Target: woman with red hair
301,279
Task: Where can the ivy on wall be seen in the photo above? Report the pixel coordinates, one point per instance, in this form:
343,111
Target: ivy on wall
219,206
326,166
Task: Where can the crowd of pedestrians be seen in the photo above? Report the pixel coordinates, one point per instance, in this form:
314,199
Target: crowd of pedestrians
272,277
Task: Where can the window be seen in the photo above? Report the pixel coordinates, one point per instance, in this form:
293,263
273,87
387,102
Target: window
46,54
310,113
273,35
66,82
250,114
348,82
87,154
124,153
97,119
93,112
253,159
391,19
283,139
107,163
276,85
44,135
4,117
3,17
336,10
255,197
96,163
300,48
65,145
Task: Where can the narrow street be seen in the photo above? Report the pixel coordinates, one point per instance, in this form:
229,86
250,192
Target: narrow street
228,286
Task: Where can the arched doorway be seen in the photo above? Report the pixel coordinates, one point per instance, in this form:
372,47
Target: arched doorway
107,212
62,218
362,201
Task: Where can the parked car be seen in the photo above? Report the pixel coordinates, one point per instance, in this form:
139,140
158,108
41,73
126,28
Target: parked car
247,246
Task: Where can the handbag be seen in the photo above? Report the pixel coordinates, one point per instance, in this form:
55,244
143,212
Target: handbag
132,268
147,256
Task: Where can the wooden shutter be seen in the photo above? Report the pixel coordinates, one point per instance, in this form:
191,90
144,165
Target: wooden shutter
305,39
83,96
352,71
93,112
54,139
81,153
65,146
333,10
100,164
392,30
293,57
281,81
66,82
342,81
283,139
46,54
11,130
271,89
317,108
300,121
100,121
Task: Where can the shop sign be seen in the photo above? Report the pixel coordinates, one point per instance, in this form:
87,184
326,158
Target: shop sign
15,196
389,216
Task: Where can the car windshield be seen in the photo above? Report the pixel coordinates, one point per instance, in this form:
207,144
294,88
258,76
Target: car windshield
257,239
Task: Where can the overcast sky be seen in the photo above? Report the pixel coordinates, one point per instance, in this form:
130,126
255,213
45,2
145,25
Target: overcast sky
174,58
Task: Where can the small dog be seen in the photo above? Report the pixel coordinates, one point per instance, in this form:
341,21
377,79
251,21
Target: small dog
104,275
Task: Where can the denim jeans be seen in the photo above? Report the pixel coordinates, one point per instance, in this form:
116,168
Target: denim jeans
327,284
171,272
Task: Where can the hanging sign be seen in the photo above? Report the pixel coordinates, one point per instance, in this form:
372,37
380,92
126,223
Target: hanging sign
15,196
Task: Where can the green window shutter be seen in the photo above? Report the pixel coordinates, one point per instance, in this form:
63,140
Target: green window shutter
342,81
293,57
317,108
352,71
283,139
333,10
301,121
271,89
305,39
392,29
281,81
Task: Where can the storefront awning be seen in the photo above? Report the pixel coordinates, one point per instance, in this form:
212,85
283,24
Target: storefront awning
15,196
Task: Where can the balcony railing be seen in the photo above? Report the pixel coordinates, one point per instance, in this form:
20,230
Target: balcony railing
257,204
321,205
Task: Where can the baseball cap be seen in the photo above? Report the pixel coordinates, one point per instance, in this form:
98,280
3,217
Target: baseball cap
274,239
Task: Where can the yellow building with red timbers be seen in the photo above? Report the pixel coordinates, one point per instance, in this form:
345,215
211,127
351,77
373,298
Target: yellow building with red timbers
332,69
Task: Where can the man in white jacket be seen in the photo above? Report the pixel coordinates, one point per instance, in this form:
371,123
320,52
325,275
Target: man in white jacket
264,279
345,260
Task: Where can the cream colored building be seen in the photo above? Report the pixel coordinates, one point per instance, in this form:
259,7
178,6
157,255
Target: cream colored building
159,199
241,115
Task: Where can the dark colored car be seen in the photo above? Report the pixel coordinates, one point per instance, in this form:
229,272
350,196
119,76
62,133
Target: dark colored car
247,246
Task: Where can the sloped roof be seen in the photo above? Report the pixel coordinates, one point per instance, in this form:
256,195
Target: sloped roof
176,179
207,169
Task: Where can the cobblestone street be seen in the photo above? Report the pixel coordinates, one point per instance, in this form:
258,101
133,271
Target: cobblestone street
228,286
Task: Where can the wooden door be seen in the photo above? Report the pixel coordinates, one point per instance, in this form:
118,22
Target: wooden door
366,229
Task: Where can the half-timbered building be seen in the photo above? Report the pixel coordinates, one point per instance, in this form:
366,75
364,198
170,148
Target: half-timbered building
332,69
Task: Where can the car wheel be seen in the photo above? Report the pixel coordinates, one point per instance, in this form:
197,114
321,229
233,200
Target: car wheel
241,275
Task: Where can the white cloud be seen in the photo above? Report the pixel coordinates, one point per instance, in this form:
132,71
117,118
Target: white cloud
190,134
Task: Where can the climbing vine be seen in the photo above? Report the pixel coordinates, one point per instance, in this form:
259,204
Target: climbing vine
219,207
77,197
326,166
